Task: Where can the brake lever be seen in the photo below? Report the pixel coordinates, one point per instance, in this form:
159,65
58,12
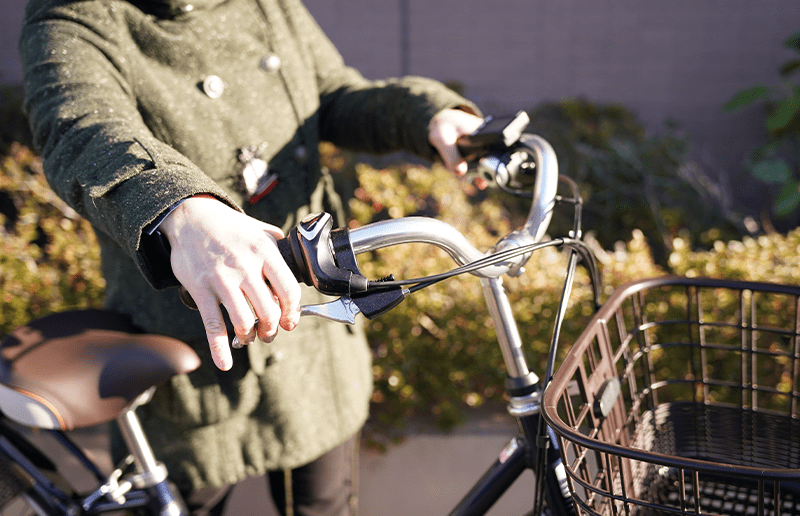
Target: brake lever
346,308
342,310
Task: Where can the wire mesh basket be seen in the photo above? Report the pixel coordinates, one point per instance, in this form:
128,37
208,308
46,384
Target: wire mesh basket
682,396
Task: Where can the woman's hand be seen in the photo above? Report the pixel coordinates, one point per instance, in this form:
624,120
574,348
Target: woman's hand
222,256
444,130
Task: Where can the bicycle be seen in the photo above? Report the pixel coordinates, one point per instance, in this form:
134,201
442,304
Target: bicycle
571,464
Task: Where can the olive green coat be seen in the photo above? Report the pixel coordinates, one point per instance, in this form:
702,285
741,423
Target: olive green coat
124,108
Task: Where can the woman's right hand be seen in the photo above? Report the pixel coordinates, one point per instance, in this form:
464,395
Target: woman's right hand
224,257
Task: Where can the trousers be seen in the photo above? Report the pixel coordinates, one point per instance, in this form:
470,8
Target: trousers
327,486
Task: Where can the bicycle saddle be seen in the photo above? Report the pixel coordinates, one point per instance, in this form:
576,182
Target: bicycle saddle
81,368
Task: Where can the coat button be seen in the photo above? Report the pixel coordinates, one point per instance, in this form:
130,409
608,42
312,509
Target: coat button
270,63
213,86
301,155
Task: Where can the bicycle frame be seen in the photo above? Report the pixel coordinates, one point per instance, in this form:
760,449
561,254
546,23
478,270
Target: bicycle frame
526,450
146,486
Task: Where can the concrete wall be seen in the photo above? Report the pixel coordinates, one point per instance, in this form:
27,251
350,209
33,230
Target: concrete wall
666,59
10,21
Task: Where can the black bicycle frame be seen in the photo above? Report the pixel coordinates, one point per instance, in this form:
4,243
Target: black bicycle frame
519,455
47,498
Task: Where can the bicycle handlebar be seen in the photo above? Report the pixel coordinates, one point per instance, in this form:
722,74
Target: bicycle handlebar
498,151
325,257
432,231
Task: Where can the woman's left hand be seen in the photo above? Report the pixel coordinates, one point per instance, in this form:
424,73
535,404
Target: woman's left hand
444,130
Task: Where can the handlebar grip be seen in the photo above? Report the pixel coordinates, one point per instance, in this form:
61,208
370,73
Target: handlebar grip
496,132
294,262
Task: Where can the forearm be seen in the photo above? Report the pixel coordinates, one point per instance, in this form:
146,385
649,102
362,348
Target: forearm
386,116
98,153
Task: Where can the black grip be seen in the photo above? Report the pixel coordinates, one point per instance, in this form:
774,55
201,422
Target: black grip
308,253
496,132
293,257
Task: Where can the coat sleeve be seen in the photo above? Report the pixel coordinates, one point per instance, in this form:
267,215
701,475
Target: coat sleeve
98,154
371,116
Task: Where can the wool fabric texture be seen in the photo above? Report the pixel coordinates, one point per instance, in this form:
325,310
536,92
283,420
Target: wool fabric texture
138,104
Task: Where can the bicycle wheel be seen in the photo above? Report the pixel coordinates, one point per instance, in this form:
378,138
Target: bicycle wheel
17,497
21,462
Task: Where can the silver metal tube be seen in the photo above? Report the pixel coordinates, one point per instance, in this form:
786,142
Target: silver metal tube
136,440
505,327
431,231
424,230
544,191
406,230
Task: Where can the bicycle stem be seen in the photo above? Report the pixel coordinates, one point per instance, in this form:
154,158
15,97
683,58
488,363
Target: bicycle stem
506,328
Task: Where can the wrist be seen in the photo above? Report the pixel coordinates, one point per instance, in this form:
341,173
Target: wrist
172,219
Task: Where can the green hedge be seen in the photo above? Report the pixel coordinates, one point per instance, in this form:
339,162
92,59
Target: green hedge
633,179
50,259
435,355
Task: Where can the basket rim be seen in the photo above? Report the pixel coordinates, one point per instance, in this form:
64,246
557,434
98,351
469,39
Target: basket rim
563,375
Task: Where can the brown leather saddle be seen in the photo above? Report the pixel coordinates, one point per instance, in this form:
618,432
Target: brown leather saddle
81,368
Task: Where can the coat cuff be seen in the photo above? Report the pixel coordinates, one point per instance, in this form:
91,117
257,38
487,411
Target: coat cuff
142,202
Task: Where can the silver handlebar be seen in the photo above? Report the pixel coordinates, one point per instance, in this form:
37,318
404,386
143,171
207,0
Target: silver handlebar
431,231
405,230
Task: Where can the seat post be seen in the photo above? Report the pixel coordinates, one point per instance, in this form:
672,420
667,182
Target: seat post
150,474
150,470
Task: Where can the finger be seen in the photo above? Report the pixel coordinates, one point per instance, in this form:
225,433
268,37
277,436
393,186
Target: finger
284,287
445,129
453,160
444,139
240,314
266,308
274,232
461,167
216,333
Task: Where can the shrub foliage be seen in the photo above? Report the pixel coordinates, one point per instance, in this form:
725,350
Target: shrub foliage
632,179
50,259
436,354
776,165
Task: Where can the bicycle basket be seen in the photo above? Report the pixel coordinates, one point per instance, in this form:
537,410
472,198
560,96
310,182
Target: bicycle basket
681,397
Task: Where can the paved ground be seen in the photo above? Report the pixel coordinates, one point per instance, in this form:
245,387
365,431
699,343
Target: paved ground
426,474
